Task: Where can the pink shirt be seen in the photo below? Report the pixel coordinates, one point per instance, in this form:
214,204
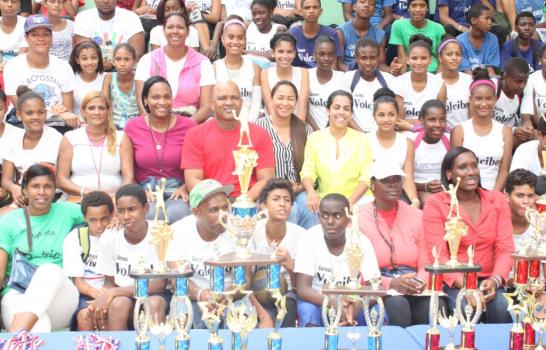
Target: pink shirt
407,238
491,235
152,162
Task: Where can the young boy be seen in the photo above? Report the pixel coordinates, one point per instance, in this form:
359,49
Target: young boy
523,45
80,251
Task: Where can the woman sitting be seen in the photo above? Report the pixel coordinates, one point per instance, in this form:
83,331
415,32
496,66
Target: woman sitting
92,169
396,232
152,149
50,298
487,216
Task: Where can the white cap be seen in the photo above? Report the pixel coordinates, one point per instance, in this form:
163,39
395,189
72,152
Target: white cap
381,169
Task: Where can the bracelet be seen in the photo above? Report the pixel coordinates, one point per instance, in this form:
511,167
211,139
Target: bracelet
415,201
82,190
426,187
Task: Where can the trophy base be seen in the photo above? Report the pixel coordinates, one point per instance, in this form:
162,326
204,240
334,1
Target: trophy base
363,291
531,256
444,268
231,259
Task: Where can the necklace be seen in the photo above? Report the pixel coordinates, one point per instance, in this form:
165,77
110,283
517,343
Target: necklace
158,144
94,143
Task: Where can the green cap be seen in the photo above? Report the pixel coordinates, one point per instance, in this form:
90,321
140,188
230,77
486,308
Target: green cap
205,189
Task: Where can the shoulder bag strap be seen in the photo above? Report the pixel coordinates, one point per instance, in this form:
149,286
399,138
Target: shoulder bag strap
29,229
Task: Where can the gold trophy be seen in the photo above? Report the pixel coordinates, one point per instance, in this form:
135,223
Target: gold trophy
353,251
212,313
241,321
454,226
161,230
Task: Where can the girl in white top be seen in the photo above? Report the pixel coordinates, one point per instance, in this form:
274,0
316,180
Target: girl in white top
38,143
431,145
388,144
63,29
534,96
529,154
240,8
210,9
284,51
198,36
417,86
86,62
89,158
12,32
239,68
457,83
488,139
260,32
369,81
322,82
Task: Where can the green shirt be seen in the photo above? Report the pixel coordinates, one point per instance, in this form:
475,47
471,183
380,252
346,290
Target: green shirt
403,30
48,233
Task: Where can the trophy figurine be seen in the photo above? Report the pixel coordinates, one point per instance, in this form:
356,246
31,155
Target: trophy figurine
353,251
450,323
454,226
374,320
142,321
212,316
274,340
161,231
240,322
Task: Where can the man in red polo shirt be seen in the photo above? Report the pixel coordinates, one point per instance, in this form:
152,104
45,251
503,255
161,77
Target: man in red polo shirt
208,148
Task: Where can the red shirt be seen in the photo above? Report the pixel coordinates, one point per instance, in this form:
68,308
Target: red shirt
210,148
491,235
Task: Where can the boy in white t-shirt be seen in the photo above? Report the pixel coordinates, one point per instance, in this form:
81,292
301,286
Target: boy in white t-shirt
321,259
80,252
121,250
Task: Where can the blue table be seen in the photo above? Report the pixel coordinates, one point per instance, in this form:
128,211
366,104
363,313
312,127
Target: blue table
394,338
488,336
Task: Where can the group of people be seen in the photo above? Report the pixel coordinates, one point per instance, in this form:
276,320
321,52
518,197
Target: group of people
382,113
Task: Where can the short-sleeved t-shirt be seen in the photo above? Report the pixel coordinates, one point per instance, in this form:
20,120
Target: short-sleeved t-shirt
487,55
152,162
48,233
50,82
457,10
73,264
108,34
531,55
350,37
305,46
403,30
11,43
533,6
377,16
210,148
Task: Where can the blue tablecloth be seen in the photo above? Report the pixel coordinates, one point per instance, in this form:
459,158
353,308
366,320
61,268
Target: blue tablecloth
394,338
488,336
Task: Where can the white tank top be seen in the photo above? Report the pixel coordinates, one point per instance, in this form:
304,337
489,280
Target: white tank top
457,99
258,41
489,149
273,78
506,110
244,77
428,160
413,100
318,96
395,153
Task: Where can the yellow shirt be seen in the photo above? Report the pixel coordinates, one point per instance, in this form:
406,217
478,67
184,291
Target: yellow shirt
337,175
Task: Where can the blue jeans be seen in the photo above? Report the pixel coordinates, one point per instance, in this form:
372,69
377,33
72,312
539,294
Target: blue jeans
300,214
496,311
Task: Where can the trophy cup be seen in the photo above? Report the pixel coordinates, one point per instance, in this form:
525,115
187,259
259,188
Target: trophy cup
241,322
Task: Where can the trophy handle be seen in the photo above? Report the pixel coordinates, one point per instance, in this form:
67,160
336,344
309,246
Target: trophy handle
367,314
223,218
325,318
459,307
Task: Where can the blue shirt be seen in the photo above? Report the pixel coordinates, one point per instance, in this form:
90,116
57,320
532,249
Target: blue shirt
508,52
533,6
457,10
487,55
351,36
379,5
305,46
400,8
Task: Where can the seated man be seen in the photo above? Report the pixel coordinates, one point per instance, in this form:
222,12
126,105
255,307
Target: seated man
80,253
321,259
208,148
122,250
523,45
201,236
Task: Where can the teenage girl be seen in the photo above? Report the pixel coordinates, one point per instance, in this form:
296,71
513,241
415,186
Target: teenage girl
86,62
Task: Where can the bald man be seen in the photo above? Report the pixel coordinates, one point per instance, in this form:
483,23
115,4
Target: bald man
208,148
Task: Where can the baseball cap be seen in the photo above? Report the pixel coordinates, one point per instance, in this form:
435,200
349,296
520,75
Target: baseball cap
382,169
37,21
205,189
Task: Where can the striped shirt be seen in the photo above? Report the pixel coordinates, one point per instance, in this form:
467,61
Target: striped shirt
284,159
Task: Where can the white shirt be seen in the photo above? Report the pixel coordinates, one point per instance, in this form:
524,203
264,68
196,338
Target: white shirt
506,109
117,256
290,242
314,259
457,99
173,71
11,43
258,41
397,152
46,150
534,94
413,100
108,34
244,78
526,157
74,266
428,160
240,8
157,37
318,95
50,82
82,88
9,130
61,45
363,98
188,245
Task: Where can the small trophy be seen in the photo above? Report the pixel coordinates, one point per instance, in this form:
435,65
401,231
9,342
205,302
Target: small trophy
450,323
469,318
274,339
454,226
331,316
161,330
212,313
161,231
141,322
517,313
241,322
539,324
181,312
374,320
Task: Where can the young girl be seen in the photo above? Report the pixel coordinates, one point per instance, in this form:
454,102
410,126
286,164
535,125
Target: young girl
431,145
63,29
487,138
386,143
364,82
12,32
284,51
417,86
322,81
260,32
86,62
457,83
239,68
198,36
119,86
